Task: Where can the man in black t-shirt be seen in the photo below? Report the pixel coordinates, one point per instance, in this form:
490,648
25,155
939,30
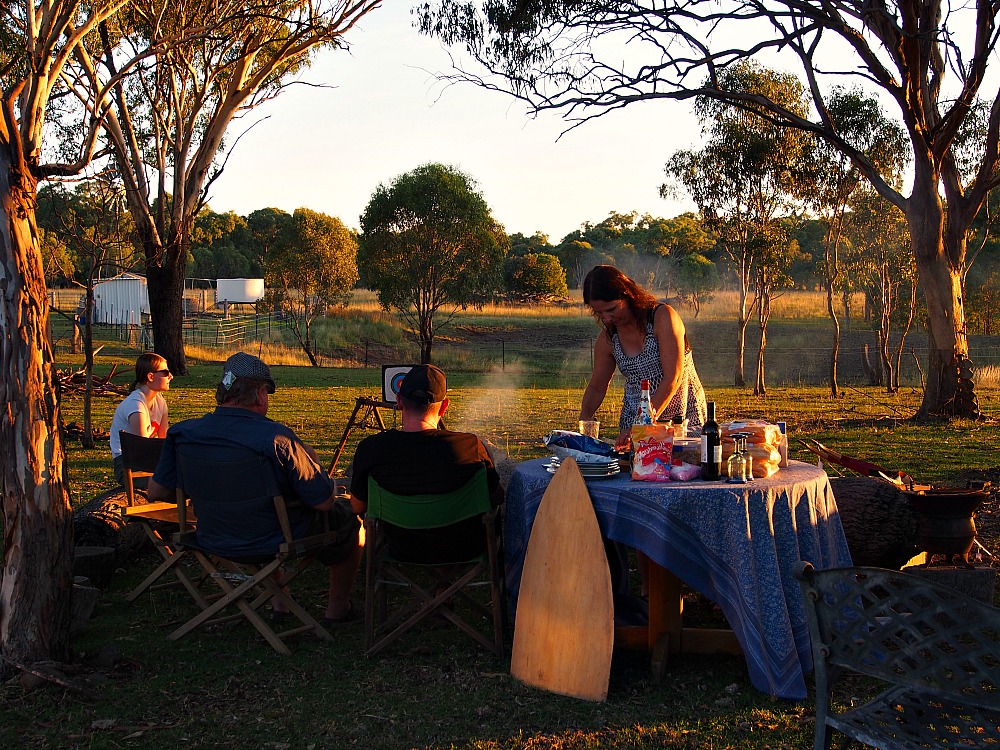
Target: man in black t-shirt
422,458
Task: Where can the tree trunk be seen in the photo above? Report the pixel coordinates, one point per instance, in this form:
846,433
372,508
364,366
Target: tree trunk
165,269
835,344
759,389
903,334
873,374
426,336
941,282
739,378
885,360
37,575
764,314
87,439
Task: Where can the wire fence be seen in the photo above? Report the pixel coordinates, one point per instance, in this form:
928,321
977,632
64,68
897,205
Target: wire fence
235,330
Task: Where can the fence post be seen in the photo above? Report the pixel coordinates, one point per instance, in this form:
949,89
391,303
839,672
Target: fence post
503,356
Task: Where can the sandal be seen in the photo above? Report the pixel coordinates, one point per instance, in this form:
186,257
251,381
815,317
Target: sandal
351,615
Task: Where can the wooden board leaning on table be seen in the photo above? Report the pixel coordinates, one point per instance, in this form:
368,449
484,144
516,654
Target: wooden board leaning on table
564,628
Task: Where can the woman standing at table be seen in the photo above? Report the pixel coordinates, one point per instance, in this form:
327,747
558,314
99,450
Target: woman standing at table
645,339
144,411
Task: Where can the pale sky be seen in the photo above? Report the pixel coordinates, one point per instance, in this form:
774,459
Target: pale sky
328,149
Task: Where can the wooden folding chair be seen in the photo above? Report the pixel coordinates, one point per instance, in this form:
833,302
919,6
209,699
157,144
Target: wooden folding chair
384,571
230,498
158,520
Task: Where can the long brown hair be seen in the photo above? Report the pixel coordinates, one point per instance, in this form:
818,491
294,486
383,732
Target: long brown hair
146,363
608,284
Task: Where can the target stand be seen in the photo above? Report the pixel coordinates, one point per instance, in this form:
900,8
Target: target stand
366,415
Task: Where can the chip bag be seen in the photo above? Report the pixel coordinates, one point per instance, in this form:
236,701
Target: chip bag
654,447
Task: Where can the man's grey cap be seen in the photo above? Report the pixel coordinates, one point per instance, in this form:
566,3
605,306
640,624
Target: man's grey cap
242,365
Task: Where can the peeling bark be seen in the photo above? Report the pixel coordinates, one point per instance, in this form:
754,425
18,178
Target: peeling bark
37,574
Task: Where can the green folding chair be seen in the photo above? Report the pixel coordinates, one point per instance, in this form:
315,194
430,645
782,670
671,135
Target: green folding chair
447,587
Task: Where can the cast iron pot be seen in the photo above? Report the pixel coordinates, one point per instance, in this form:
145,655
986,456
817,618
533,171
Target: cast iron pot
946,518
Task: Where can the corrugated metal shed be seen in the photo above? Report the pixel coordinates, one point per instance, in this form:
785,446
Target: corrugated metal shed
121,299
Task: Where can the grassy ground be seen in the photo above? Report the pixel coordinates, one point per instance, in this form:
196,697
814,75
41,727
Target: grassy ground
227,689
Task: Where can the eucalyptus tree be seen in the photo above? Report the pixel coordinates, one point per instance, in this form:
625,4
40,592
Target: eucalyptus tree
743,179
535,277
269,228
94,224
929,58
429,240
881,262
775,246
833,178
315,267
166,124
697,280
36,41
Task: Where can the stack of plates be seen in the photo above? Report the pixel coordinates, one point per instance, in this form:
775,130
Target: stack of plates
596,470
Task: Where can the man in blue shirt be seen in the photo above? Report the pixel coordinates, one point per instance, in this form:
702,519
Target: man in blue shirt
239,428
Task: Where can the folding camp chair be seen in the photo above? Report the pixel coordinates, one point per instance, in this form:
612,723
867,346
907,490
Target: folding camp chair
233,499
158,520
139,458
383,570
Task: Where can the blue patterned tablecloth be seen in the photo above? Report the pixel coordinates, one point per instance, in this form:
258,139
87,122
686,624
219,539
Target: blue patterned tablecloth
736,544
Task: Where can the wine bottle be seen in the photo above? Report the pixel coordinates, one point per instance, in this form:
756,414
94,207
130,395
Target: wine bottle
645,415
711,447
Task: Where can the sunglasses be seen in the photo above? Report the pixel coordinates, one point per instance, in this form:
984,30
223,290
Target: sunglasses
161,372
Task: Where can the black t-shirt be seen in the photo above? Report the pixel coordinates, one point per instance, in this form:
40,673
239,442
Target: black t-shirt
416,463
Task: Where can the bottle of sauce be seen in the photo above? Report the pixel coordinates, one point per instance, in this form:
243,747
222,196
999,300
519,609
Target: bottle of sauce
645,415
711,447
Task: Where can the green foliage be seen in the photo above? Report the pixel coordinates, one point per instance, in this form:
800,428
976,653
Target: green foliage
86,230
430,239
645,247
315,268
268,227
537,276
577,257
536,243
221,247
696,279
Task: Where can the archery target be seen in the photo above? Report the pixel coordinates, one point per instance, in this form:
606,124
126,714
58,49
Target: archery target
392,377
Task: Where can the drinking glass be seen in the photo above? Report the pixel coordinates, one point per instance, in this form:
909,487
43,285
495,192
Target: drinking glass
739,465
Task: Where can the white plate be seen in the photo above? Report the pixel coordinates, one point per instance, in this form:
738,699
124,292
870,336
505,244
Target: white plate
590,474
589,466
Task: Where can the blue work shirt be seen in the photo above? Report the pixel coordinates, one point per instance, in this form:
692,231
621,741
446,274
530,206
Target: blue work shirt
230,434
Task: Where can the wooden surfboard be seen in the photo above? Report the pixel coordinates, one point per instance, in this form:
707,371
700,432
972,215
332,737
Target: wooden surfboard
564,629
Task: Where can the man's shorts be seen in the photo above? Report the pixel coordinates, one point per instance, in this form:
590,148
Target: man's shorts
341,519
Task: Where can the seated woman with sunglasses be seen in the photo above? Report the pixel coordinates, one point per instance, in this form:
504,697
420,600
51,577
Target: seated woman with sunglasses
144,411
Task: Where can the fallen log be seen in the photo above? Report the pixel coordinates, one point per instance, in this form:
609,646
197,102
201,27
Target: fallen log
99,523
880,527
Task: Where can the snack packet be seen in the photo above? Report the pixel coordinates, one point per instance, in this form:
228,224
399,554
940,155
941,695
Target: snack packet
654,446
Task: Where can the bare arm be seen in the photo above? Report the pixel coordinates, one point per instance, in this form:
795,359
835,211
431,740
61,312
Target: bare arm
138,424
158,493
669,331
359,506
604,370
161,431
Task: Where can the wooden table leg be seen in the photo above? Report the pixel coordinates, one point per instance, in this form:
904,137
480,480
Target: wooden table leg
665,634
